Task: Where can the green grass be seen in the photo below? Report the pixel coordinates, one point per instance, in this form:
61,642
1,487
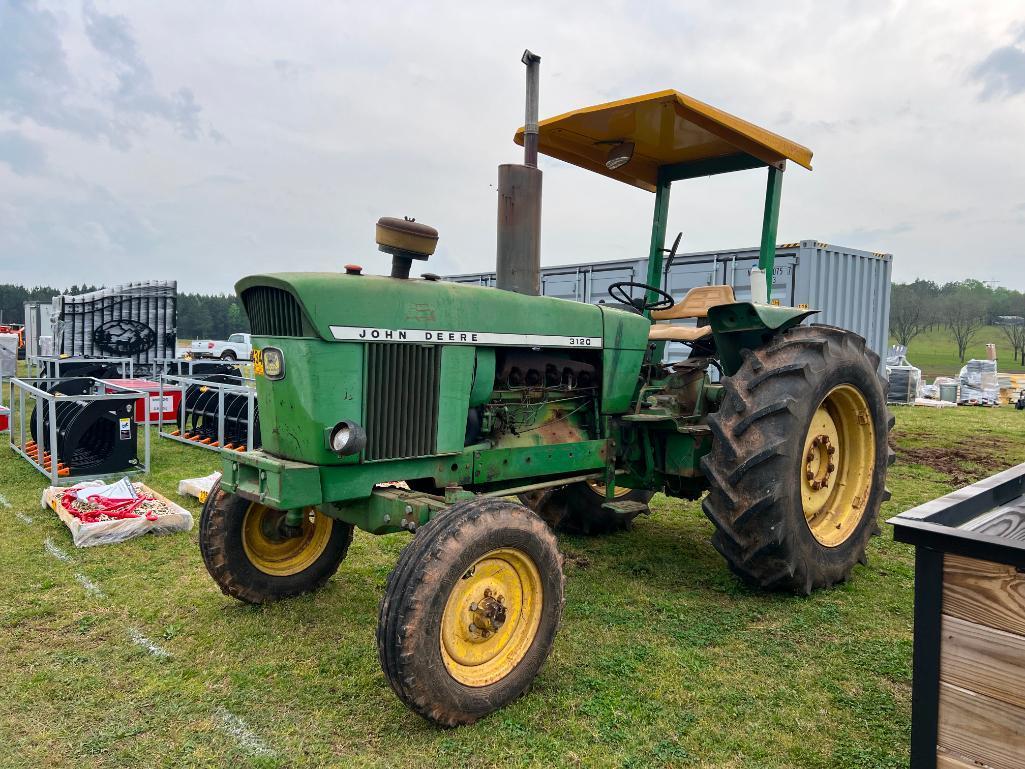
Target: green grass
663,658
936,354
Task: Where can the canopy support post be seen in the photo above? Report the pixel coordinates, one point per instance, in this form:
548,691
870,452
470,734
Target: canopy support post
770,222
659,222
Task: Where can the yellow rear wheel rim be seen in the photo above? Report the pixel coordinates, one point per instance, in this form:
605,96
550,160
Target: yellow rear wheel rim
599,489
837,466
282,556
491,617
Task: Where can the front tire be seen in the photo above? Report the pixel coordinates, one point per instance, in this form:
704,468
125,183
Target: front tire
252,559
470,611
798,464
577,508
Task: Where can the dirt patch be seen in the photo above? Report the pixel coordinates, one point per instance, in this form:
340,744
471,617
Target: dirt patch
966,462
577,560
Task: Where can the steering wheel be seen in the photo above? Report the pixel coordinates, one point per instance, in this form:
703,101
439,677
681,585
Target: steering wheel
618,291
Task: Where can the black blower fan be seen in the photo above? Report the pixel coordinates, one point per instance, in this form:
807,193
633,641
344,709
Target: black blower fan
93,437
201,405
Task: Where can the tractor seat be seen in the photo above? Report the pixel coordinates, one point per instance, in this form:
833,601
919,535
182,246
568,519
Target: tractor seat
694,304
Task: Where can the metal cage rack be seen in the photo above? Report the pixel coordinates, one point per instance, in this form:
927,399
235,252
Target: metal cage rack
217,412
44,451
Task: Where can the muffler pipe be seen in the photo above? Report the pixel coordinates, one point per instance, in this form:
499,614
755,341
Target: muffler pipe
530,130
519,203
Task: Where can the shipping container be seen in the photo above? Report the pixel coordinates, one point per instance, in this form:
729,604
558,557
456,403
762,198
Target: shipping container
38,323
849,287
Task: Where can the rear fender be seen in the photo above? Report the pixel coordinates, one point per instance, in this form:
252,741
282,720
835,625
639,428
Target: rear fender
745,325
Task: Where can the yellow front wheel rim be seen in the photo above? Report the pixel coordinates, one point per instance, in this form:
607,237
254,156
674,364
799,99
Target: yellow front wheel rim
837,466
491,617
271,551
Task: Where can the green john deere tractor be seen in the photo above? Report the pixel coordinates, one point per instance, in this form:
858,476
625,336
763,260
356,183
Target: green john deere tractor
413,404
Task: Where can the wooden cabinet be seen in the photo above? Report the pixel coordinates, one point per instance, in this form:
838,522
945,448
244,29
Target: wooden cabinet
968,695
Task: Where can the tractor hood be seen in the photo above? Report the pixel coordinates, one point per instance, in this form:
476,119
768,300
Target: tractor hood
355,308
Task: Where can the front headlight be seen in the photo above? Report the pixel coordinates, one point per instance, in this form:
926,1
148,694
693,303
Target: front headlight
347,438
273,363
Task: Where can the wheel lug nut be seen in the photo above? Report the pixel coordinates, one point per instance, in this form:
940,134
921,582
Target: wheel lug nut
473,606
810,475
831,450
831,468
473,628
825,482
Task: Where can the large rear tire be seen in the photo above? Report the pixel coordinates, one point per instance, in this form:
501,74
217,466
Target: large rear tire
577,508
252,558
470,611
798,464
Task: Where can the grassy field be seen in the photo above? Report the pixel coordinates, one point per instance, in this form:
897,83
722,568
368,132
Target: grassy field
936,354
128,655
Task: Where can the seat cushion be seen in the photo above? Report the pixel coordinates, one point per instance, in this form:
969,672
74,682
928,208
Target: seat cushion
696,303
670,333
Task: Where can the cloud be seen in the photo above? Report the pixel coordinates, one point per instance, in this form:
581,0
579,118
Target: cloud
85,233
1002,72
287,69
35,80
136,92
24,156
336,114
37,83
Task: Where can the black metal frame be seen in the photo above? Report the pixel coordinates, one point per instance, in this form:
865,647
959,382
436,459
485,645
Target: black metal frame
933,529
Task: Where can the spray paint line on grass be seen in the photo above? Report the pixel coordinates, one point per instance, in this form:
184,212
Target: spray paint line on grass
90,587
4,503
229,723
24,518
245,737
53,549
140,640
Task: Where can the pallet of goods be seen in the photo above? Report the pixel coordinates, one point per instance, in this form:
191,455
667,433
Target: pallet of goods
101,514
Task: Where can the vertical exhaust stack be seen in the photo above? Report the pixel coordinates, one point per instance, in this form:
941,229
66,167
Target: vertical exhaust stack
519,203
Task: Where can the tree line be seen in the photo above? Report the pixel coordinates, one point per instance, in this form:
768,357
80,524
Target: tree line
200,316
961,308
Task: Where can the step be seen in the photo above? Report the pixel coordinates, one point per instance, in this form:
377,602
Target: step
627,507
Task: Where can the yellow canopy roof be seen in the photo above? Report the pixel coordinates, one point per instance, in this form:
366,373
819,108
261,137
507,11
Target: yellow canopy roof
667,128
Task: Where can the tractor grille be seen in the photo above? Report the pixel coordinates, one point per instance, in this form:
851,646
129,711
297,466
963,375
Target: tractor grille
272,312
402,400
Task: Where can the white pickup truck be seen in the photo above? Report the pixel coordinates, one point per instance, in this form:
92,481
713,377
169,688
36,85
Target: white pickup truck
237,347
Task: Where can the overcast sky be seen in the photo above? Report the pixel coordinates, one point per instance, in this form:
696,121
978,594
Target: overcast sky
205,141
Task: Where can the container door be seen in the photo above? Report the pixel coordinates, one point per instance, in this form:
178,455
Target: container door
683,276
738,274
600,279
562,285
